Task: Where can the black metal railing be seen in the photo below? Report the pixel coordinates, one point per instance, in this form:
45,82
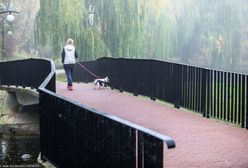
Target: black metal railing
227,97
72,135
77,136
212,93
26,73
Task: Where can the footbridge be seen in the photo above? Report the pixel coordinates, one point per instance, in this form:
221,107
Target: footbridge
153,114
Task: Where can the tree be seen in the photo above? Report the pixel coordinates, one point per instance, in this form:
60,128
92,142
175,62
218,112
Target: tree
209,33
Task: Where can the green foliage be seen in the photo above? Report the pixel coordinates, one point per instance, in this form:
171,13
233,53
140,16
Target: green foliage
214,31
61,77
121,28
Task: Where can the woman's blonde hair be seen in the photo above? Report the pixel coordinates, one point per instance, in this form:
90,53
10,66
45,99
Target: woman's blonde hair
69,41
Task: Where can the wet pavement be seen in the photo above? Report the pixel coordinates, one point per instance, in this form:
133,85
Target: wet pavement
200,142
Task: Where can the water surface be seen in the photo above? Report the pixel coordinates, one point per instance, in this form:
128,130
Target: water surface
19,151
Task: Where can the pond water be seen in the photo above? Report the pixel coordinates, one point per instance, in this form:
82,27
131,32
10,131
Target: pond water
19,151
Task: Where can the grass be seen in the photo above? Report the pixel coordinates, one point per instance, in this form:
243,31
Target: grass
61,77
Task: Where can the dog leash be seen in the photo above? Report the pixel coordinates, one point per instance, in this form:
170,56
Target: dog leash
89,71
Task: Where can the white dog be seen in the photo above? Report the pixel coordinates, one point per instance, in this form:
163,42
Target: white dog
101,82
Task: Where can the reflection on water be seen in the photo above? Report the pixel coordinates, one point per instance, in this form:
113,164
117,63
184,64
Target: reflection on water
19,151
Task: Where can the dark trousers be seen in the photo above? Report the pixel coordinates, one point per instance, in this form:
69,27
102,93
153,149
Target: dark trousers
69,73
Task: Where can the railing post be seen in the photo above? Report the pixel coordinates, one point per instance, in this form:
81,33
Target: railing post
177,85
246,112
242,117
150,151
204,79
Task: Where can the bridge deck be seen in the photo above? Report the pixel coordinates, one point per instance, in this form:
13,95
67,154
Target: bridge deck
200,142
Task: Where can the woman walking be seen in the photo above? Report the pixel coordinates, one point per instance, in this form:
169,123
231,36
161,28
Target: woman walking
69,55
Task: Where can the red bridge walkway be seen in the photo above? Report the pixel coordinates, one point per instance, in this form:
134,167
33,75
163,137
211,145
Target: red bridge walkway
200,142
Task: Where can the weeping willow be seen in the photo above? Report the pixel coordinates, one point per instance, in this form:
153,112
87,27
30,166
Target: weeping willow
129,28
203,32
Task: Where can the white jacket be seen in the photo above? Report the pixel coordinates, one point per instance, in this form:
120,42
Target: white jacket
69,54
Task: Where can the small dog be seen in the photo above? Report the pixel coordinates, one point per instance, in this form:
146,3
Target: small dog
101,82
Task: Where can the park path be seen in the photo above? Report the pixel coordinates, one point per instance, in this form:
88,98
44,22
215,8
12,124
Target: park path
200,142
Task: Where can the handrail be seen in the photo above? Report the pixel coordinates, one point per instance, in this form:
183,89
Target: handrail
26,73
205,91
48,78
168,140
140,139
